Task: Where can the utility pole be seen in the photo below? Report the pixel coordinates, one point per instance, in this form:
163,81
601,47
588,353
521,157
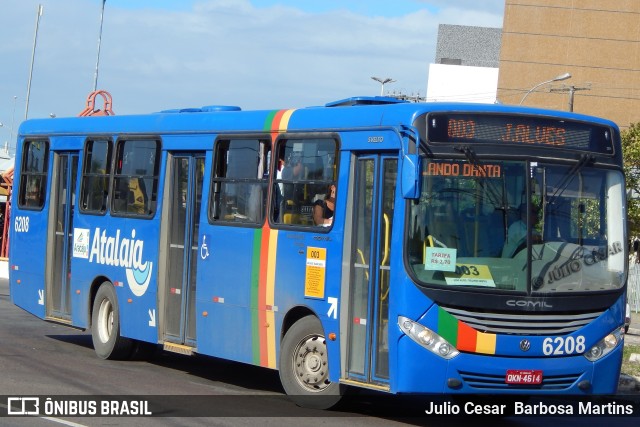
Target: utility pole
572,91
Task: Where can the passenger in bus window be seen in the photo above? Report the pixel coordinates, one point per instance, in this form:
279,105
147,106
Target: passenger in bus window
293,191
293,168
324,208
278,191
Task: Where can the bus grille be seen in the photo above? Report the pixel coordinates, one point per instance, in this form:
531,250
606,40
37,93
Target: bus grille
484,381
524,324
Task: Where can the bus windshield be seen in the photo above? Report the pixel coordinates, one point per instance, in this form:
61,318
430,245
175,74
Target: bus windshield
525,227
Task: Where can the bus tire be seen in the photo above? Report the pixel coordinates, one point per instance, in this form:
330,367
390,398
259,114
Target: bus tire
304,366
105,326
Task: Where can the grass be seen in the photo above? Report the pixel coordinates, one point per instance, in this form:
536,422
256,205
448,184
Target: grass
630,368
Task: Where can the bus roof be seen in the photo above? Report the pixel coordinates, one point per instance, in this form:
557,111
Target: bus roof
356,112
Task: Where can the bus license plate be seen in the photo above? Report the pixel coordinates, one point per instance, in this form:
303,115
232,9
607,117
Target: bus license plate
523,376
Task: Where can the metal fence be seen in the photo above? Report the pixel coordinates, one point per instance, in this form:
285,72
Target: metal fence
633,291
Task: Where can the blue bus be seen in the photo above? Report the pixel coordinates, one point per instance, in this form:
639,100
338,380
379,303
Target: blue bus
374,243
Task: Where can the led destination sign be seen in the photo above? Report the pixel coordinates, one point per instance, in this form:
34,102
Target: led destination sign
436,168
469,128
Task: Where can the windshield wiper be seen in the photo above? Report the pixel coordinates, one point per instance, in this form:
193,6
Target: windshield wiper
567,178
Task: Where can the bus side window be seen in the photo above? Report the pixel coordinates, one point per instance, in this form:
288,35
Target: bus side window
240,180
33,174
305,169
95,176
136,177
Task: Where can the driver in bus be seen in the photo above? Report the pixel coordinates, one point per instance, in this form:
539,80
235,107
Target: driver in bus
517,231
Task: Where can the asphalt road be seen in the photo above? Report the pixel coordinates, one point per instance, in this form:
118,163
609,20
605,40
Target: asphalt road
46,360
38,358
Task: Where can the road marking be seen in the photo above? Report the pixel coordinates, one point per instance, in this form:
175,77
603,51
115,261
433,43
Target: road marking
65,422
53,419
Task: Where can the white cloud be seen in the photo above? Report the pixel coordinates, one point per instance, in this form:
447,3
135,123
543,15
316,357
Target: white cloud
491,8
220,52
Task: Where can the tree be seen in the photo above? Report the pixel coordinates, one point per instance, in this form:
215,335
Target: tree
631,164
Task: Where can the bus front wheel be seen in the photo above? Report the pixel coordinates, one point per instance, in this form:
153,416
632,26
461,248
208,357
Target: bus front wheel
105,325
304,366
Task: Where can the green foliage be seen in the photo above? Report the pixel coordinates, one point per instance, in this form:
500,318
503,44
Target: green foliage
630,368
631,160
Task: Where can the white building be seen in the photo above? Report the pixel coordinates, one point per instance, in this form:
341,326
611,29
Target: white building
466,65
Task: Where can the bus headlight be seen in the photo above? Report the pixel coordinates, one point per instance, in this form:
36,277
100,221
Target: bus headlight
426,338
605,345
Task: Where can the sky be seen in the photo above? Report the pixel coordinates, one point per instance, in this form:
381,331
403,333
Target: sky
256,54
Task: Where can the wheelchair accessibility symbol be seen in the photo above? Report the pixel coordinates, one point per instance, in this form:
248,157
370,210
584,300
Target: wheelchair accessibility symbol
204,249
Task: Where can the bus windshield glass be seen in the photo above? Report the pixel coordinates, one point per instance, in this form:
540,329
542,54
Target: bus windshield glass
518,226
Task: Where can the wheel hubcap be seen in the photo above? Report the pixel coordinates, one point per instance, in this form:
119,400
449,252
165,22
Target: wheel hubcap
105,321
311,363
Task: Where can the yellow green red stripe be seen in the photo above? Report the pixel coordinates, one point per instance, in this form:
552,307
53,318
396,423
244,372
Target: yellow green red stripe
464,337
255,280
263,273
270,300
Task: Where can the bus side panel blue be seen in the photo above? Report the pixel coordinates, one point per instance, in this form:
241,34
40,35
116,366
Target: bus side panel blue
84,272
26,271
297,283
225,331
224,293
137,293
125,253
230,276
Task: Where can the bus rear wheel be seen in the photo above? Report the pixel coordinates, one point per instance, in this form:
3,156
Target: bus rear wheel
105,326
304,366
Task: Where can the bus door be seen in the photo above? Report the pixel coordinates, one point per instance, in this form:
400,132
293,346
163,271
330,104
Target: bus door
183,214
372,196
63,205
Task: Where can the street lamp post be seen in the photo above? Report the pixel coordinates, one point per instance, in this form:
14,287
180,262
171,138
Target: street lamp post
95,76
561,77
33,56
383,81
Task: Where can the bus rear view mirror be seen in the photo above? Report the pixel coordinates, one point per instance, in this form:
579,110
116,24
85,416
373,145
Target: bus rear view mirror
411,176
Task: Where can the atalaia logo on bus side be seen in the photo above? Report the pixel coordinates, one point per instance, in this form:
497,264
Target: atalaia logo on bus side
114,250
